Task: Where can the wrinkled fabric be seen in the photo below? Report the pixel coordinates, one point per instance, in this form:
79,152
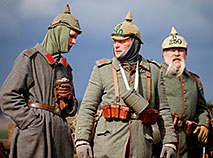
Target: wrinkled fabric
56,40
38,133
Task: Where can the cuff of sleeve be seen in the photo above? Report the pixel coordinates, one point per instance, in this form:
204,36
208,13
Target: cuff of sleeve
81,142
173,146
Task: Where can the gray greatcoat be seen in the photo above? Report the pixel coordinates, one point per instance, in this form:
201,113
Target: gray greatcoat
38,133
111,137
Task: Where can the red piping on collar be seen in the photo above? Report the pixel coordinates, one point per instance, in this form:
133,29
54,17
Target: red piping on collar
64,62
50,58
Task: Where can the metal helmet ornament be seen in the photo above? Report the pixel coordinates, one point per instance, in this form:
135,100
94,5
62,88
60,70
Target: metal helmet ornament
67,20
126,30
174,41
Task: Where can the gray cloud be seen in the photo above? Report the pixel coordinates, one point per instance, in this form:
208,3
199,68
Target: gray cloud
24,22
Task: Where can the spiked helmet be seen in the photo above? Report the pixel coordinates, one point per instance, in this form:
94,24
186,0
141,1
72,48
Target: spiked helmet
126,30
67,20
174,40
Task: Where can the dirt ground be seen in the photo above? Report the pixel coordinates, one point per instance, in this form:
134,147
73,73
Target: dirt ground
4,134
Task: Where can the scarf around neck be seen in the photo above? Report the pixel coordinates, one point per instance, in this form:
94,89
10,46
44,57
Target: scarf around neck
130,56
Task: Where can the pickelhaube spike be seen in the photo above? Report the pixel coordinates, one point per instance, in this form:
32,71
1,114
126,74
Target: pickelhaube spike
66,19
173,31
67,9
126,29
129,17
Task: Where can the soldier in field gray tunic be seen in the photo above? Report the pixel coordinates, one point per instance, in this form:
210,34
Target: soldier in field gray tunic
38,105
131,92
186,98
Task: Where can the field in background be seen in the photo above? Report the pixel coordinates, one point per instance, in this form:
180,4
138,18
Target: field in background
4,127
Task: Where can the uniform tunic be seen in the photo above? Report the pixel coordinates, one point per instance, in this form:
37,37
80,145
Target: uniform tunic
111,137
38,133
187,100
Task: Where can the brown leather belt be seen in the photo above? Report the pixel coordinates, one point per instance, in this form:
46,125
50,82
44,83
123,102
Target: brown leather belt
52,109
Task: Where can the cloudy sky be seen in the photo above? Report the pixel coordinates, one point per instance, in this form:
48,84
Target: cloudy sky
23,23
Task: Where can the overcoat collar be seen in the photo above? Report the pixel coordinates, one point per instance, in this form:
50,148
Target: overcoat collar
49,57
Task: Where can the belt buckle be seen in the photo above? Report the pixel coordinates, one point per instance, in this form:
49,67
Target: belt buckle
57,111
134,116
179,123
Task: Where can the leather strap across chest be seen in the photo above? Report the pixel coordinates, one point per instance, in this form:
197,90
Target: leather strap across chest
116,87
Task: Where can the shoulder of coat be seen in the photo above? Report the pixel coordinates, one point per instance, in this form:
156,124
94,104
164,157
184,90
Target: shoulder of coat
192,73
151,61
30,52
103,61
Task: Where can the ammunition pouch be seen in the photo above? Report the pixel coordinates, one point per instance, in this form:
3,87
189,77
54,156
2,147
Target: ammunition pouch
123,113
188,126
135,101
115,111
149,116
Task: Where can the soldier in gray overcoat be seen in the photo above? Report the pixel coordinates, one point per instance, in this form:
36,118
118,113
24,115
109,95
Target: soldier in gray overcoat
130,91
39,93
185,96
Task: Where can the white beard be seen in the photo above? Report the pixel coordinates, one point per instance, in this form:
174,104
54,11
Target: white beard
173,70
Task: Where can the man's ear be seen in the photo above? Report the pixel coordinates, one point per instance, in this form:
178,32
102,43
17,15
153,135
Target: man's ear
163,53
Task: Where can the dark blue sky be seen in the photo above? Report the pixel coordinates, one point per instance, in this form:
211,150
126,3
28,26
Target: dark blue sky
24,23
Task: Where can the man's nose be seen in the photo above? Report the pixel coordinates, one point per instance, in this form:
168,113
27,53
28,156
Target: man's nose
117,44
73,41
177,53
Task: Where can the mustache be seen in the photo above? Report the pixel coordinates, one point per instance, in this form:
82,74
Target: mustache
177,57
174,70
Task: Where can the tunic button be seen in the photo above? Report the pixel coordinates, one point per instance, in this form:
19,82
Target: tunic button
184,92
131,81
185,99
185,107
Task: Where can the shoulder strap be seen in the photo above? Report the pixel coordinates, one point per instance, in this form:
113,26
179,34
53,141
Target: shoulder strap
115,79
29,52
196,81
195,78
148,80
103,62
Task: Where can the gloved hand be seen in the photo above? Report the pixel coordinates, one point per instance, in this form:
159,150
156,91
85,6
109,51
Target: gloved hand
167,152
63,93
84,151
203,134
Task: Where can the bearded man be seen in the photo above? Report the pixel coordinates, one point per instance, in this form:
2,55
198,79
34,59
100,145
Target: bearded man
185,96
